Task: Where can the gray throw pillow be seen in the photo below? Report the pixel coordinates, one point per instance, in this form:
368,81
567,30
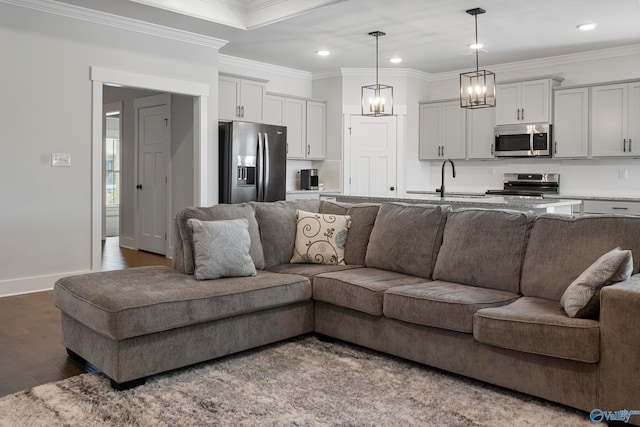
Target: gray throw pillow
221,249
582,297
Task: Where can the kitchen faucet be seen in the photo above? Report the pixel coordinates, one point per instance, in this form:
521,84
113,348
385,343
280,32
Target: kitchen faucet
453,169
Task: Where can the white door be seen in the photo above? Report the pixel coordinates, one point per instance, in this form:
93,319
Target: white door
372,170
153,180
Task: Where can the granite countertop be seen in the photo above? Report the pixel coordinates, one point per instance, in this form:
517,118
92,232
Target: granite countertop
312,191
472,200
546,196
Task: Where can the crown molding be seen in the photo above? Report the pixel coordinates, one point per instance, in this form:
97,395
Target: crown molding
232,61
104,18
573,58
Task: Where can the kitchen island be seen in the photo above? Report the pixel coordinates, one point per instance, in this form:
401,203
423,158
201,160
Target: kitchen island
537,205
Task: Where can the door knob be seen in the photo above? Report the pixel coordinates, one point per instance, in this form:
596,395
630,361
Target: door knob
139,186
392,188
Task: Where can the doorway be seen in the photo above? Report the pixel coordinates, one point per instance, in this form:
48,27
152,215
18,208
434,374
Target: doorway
198,96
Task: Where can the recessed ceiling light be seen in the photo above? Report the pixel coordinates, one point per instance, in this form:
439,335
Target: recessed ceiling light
587,27
476,46
395,60
323,52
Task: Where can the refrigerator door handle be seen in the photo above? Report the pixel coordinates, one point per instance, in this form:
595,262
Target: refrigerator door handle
260,174
266,163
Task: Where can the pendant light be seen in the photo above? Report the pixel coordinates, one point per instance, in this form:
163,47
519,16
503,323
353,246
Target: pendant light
477,88
377,99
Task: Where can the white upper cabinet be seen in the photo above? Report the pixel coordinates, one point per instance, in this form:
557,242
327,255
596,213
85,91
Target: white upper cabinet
305,121
524,102
316,129
615,127
480,133
442,131
241,98
571,123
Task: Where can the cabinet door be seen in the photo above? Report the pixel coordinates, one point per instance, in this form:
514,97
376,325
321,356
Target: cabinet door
609,120
252,94
535,102
480,133
274,110
453,130
633,135
571,123
228,98
295,120
507,103
316,129
430,119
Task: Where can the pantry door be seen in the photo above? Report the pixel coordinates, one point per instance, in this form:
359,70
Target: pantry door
371,167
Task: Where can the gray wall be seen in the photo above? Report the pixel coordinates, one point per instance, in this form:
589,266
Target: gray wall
45,107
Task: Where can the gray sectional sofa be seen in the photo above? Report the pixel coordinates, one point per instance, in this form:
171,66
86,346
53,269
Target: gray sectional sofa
475,292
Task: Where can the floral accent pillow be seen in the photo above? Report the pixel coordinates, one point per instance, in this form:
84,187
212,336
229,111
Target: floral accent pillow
221,249
320,238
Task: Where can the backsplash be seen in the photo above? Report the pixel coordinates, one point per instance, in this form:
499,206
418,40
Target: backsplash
594,177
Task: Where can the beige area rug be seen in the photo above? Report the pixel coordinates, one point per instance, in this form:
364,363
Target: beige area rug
302,382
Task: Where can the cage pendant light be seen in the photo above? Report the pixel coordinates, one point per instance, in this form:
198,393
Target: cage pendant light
477,88
377,99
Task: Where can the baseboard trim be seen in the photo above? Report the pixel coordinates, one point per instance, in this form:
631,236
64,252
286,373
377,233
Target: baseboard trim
29,285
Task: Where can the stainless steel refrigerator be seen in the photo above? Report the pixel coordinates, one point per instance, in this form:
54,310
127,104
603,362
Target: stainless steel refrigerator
253,162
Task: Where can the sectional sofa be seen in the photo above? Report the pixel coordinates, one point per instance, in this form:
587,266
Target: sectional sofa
475,292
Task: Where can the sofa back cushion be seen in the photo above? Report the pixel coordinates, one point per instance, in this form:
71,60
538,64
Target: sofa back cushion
363,216
406,237
183,258
562,247
277,223
484,248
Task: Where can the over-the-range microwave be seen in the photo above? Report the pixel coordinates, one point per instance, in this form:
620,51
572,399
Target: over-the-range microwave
526,140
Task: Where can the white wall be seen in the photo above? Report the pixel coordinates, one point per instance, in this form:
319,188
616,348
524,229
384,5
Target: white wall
46,219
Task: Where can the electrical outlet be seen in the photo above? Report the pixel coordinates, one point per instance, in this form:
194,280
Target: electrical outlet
623,174
61,159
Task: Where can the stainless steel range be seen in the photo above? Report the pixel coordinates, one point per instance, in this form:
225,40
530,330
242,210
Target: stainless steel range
529,185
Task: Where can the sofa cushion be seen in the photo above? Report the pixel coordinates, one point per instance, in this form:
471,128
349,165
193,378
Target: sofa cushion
320,238
138,301
582,297
277,222
183,248
442,304
561,247
405,238
540,326
363,216
359,289
310,270
222,248
484,248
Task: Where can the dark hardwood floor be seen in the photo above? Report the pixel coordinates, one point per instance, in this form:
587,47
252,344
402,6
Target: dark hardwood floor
30,348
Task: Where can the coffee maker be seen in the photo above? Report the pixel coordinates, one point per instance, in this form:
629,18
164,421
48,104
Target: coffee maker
309,179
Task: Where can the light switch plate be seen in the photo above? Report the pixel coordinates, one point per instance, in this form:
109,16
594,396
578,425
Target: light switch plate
61,159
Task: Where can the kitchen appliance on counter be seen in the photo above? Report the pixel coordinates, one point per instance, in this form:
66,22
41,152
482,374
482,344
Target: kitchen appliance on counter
253,162
309,179
529,185
532,140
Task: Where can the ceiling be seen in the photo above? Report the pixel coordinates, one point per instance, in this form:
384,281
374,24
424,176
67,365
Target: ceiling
430,35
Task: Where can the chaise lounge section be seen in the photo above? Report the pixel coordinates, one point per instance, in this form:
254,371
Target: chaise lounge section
475,292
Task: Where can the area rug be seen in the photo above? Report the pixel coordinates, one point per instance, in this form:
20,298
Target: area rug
301,382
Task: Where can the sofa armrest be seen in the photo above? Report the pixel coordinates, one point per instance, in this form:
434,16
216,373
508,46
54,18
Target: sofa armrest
620,347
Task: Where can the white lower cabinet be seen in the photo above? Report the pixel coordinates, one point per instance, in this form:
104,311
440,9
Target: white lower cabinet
611,207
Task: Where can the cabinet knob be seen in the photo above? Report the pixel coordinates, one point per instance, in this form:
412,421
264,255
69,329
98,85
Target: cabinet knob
492,149
555,148
139,186
522,114
624,145
392,188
